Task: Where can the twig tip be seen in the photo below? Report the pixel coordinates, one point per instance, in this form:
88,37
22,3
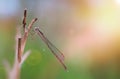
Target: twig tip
36,19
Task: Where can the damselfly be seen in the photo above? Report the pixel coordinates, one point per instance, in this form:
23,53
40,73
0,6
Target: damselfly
59,55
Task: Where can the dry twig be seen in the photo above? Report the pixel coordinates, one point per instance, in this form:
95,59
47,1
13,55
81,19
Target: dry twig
24,19
19,49
14,72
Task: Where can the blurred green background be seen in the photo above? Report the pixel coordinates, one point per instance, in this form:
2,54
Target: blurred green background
86,31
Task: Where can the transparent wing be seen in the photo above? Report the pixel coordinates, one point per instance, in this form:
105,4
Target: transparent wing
53,49
56,52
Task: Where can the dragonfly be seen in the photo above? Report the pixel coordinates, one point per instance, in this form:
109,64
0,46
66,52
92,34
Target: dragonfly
56,52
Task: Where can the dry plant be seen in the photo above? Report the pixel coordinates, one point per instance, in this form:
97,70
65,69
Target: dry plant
14,72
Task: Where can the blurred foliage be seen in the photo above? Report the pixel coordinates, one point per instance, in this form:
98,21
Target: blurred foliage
41,64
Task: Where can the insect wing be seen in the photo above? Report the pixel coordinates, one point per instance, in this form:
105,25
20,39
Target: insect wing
55,51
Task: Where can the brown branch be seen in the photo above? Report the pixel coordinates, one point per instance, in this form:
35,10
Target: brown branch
14,72
19,50
25,36
31,24
24,20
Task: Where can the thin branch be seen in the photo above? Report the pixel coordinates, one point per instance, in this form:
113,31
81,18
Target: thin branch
19,49
24,20
24,39
14,72
31,24
25,57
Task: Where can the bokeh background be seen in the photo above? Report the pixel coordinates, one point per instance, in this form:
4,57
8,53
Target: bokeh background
86,31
